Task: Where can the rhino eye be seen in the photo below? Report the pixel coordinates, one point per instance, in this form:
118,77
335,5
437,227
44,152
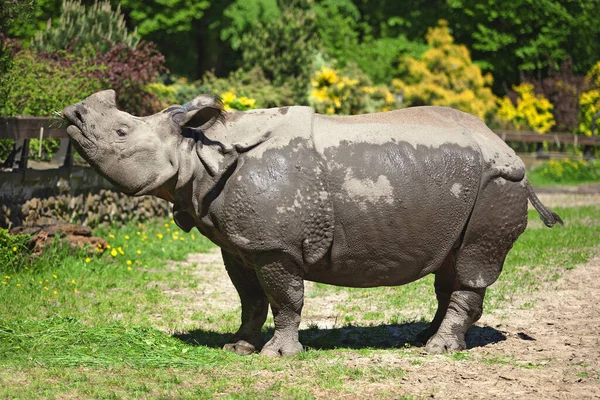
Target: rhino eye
121,132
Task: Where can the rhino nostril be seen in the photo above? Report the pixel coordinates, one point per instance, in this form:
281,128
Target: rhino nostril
78,116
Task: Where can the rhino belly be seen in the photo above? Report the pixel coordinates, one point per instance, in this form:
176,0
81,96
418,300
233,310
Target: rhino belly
399,210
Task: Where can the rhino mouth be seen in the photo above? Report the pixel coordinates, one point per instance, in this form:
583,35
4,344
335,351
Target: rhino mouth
85,145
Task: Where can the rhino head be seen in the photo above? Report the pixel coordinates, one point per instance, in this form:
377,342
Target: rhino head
140,155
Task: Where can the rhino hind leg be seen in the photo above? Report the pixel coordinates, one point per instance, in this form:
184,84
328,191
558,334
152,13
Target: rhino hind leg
498,218
248,338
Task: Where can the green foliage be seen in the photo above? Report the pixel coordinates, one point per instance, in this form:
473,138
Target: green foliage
350,92
566,172
528,35
446,76
159,17
253,84
284,49
337,23
242,17
79,27
532,112
38,85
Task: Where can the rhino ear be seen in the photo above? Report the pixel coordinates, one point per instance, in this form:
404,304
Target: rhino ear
200,113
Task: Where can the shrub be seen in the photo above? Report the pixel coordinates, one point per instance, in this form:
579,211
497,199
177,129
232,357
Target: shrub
531,112
445,76
252,84
78,27
38,84
567,171
128,71
179,92
589,102
349,93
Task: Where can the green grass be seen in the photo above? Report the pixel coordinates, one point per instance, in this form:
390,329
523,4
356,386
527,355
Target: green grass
565,172
103,328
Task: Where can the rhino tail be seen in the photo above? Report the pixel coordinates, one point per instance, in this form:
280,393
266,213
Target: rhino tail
549,217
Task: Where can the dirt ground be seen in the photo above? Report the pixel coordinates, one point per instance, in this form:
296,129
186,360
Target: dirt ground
543,346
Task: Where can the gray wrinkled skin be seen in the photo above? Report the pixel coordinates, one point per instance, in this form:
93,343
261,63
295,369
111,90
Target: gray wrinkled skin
289,195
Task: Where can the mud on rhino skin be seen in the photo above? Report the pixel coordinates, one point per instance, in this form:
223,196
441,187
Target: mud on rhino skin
289,195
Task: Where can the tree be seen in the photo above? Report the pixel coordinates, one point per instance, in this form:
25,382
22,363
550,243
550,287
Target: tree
527,36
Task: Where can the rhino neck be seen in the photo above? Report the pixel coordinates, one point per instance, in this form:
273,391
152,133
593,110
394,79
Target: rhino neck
203,170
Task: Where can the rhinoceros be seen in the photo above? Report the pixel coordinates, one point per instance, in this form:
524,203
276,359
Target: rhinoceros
290,195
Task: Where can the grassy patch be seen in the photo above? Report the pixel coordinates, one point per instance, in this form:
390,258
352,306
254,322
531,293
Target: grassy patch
74,325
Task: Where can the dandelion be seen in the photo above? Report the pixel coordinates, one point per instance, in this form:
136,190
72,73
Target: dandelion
87,260
108,246
193,237
172,221
19,285
138,233
126,237
113,252
55,292
41,282
15,249
54,276
6,277
128,268
45,287
4,282
159,235
138,251
166,225
73,281
111,236
120,250
228,97
182,239
128,262
75,291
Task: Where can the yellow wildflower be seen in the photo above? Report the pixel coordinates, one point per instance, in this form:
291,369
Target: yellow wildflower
55,292
159,235
182,239
138,233
6,277
4,282
45,287
128,268
113,252
128,262
15,249
246,102
193,237
73,281
19,285
55,277
75,291
111,236
126,237
330,110
166,225
87,260
228,97
108,246
138,251
120,250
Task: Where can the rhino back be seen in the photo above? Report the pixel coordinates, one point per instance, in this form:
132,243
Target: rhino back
403,186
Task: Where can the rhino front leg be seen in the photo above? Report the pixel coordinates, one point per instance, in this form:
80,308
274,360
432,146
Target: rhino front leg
283,283
254,306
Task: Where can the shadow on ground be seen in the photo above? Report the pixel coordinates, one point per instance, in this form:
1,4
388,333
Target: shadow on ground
352,337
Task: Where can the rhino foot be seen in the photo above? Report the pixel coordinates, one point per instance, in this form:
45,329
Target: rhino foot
241,347
426,334
445,344
277,347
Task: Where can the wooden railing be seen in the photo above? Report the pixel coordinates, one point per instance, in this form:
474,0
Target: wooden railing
23,129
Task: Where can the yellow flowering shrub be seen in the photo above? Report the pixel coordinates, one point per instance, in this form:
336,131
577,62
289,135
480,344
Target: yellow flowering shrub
349,93
231,101
589,102
531,112
445,76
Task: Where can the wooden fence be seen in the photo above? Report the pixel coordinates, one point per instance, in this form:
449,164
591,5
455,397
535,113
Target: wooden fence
23,129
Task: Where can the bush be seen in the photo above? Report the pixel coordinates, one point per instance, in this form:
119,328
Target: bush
589,102
39,84
78,27
567,171
252,84
445,76
531,112
179,92
351,92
